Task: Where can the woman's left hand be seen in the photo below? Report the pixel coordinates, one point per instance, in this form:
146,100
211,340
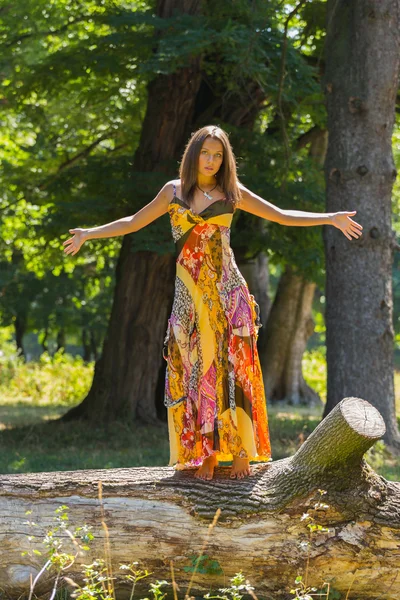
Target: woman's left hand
350,228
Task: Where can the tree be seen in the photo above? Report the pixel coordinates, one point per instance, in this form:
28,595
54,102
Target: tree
361,85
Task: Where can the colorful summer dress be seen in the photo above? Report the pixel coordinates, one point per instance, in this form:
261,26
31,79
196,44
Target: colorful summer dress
214,390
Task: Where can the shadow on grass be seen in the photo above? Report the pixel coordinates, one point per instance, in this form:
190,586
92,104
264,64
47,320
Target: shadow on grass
21,414
43,444
33,440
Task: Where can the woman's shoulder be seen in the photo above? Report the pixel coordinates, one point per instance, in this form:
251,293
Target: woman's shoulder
172,188
169,191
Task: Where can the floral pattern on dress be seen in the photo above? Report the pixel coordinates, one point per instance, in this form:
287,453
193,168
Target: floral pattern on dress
213,385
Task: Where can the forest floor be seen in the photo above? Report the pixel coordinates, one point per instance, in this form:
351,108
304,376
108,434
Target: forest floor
33,440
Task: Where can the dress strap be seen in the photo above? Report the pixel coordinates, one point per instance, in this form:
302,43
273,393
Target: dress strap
174,187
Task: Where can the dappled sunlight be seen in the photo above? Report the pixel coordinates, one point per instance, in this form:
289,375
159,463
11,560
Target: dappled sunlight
23,414
295,416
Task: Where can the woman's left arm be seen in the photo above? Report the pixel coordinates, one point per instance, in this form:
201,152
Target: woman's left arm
261,208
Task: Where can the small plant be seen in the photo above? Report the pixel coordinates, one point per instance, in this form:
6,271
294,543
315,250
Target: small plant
58,559
302,591
204,564
96,583
239,585
134,574
155,589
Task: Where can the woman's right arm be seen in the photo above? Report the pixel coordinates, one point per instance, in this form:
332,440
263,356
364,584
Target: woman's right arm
154,209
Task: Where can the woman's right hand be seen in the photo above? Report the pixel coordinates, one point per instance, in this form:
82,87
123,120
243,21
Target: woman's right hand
72,245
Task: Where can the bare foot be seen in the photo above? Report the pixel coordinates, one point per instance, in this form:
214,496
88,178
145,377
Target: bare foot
206,471
240,468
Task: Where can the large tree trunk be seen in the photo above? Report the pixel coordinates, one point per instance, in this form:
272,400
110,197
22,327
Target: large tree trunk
93,344
87,351
361,82
127,374
60,339
160,515
20,328
288,328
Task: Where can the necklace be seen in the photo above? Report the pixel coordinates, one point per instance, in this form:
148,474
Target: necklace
207,194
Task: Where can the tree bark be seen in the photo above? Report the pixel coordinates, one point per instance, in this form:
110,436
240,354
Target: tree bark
288,328
44,340
361,83
60,339
86,344
160,515
20,328
93,344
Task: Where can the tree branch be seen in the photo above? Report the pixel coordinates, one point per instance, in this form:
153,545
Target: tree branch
46,33
68,163
82,154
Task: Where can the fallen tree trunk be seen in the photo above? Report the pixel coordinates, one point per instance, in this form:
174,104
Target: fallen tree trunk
158,515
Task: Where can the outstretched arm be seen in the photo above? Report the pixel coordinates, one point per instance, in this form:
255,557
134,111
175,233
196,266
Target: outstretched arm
143,217
261,208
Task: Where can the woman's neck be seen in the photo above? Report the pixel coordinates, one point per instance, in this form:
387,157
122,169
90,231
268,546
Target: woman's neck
206,180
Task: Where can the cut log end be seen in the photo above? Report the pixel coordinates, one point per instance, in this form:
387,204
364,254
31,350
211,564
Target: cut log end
362,417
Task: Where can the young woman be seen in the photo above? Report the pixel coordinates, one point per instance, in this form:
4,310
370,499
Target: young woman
213,387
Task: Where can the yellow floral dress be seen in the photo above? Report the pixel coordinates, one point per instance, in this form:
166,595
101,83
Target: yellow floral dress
213,385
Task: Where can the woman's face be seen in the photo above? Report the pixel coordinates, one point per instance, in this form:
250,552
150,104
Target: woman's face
211,156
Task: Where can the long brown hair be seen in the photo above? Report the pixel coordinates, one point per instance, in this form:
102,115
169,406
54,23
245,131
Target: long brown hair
226,176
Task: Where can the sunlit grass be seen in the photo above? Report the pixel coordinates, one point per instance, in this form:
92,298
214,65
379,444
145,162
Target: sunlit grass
34,395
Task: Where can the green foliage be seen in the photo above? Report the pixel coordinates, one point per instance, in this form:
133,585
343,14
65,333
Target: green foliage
33,444
238,586
155,590
314,370
133,574
10,360
60,379
32,394
203,564
378,455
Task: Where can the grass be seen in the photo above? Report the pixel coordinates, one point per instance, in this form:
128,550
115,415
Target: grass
34,395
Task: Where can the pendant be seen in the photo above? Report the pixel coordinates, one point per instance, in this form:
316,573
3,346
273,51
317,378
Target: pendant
207,195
